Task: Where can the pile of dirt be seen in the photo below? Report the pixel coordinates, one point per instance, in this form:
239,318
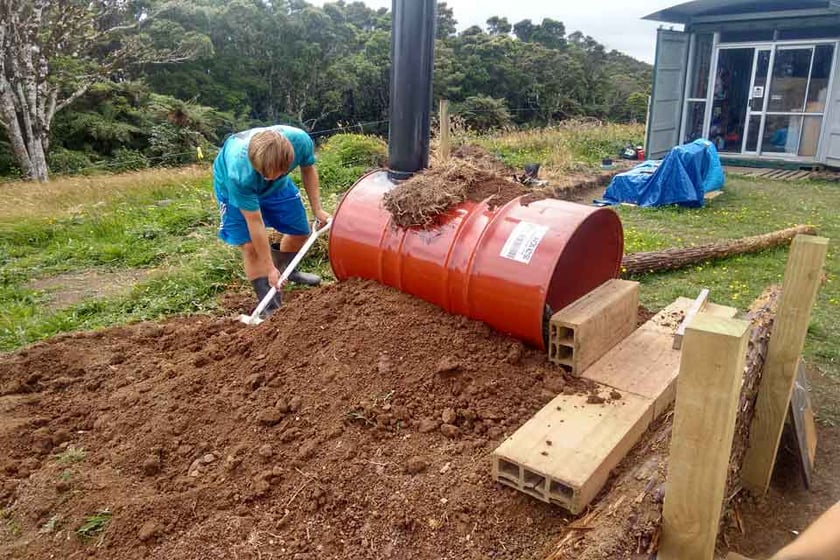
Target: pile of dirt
421,200
356,423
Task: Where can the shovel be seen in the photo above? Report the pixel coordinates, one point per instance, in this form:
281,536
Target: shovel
254,318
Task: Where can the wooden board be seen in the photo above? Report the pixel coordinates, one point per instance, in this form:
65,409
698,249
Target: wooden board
586,329
711,372
646,363
712,195
799,291
696,307
802,414
564,454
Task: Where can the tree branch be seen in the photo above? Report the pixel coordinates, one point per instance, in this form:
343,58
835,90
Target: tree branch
80,91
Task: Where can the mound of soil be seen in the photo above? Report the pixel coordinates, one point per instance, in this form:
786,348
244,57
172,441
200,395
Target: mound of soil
356,423
421,200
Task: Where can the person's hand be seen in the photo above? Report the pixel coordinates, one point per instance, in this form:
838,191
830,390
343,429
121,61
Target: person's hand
322,217
274,277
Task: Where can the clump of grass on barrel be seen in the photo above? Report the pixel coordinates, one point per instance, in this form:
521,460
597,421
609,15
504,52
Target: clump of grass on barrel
418,201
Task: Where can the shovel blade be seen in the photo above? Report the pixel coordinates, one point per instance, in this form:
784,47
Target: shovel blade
249,320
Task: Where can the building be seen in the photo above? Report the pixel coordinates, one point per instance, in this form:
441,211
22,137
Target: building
759,78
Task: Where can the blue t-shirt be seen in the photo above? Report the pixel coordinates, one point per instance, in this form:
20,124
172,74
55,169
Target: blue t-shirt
238,184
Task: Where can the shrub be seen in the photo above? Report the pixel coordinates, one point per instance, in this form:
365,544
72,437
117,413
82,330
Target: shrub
480,112
355,150
129,160
345,157
65,162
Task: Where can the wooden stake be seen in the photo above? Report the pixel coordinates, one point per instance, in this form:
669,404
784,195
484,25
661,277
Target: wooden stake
711,370
695,308
799,292
445,145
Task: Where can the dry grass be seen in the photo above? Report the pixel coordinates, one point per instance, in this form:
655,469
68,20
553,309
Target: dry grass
421,199
65,195
571,147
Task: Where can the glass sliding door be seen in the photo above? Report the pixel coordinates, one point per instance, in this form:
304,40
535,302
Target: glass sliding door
698,87
796,101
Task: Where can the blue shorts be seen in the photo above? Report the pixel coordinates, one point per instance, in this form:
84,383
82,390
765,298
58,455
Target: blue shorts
282,210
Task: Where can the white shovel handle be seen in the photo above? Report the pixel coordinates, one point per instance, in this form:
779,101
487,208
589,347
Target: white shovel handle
291,268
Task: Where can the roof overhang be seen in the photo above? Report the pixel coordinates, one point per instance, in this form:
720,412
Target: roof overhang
707,11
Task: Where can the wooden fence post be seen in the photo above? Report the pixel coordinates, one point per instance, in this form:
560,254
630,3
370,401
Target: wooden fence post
711,372
803,275
445,127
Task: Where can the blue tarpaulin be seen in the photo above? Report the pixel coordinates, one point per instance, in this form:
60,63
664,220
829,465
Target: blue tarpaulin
686,174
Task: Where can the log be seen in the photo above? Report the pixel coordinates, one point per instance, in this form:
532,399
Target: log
626,519
671,259
761,314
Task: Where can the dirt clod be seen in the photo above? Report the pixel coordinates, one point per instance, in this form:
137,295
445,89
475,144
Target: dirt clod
416,465
149,530
450,430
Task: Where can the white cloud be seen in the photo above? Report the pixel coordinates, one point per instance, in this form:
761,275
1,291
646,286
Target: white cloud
615,23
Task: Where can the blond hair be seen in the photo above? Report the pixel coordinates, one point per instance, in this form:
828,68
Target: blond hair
270,153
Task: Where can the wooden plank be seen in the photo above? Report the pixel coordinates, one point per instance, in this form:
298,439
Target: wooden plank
712,195
802,414
585,330
445,129
711,371
799,291
646,363
564,454
695,308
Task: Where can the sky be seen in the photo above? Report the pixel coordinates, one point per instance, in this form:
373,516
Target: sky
614,23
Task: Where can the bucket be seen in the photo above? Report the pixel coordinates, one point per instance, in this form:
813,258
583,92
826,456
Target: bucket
509,266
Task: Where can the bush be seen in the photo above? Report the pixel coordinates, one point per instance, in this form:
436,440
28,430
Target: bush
129,160
345,157
66,162
355,150
480,112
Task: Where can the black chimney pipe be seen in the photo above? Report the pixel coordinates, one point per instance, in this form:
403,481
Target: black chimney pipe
412,66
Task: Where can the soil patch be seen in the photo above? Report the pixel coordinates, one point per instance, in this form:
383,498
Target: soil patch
72,287
356,423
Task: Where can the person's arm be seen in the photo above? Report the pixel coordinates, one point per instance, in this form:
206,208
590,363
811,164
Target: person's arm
259,239
311,185
820,541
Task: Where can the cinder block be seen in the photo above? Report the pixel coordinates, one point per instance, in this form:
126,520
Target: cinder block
585,330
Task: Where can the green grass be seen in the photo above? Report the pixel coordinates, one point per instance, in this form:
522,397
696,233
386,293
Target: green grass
94,524
747,207
69,456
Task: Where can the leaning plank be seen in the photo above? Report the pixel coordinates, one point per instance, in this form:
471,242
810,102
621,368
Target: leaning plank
564,454
695,308
711,371
669,259
799,291
585,330
646,363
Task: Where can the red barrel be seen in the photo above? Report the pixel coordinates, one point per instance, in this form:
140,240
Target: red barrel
506,266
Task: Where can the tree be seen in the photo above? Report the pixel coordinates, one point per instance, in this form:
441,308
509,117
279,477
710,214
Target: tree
446,23
53,51
524,30
550,33
498,26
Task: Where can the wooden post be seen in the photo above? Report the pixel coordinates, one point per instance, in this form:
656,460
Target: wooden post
803,275
711,371
445,127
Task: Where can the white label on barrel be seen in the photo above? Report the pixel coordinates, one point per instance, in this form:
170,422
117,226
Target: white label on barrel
523,241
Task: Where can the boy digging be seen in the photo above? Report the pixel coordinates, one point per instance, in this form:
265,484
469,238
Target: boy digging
254,191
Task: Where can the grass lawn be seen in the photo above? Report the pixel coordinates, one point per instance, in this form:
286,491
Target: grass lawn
164,222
